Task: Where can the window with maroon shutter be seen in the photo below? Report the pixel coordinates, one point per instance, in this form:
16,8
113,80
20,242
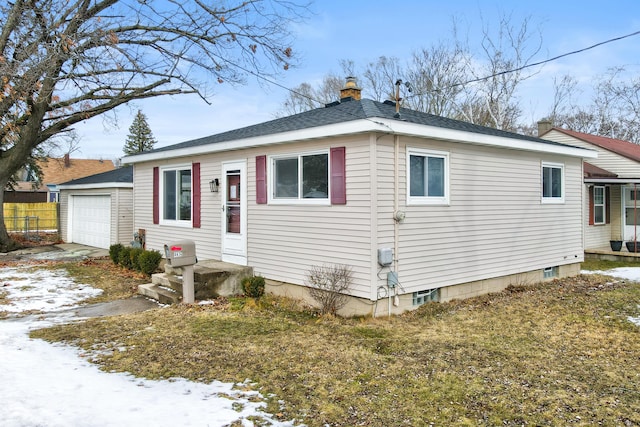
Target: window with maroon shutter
261,179
338,176
195,171
607,204
156,195
597,205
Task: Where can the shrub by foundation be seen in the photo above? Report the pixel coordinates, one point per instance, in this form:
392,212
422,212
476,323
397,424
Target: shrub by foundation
253,286
114,252
124,258
134,255
329,286
148,261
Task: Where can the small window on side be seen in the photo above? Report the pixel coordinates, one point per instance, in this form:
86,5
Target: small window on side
552,183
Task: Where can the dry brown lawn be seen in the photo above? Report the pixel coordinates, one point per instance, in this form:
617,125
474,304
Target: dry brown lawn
559,353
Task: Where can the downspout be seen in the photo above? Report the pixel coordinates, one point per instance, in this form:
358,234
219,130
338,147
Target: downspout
396,202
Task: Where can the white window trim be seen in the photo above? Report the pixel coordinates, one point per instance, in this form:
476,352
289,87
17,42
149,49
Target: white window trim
174,222
552,200
271,170
603,204
426,200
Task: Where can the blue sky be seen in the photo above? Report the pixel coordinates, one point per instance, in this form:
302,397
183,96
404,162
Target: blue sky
363,30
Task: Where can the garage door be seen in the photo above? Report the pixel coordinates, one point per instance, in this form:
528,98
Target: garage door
91,221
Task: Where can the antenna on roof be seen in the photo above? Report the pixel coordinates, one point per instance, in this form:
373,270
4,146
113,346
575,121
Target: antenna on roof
397,98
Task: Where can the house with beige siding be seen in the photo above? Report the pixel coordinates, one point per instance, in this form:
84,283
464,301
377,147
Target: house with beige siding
611,186
420,207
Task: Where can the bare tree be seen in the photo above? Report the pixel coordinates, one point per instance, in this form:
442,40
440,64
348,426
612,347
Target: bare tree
491,99
449,80
64,61
437,74
380,77
305,97
613,111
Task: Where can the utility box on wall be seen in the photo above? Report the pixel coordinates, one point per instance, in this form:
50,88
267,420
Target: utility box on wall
385,256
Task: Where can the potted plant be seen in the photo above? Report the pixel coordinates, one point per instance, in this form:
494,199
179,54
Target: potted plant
633,246
616,245
616,242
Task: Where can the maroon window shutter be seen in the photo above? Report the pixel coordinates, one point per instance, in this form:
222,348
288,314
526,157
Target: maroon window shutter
338,176
607,203
156,195
591,208
261,179
195,171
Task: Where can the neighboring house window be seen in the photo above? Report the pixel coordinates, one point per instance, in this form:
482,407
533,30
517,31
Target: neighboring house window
428,177
176,194
552,183
300,178
598,205
31,175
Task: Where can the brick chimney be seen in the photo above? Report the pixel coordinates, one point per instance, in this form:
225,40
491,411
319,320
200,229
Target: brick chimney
544,126
350,91
67,160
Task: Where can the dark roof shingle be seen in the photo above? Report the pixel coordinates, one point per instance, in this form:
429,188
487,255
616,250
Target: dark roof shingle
343,112
120,175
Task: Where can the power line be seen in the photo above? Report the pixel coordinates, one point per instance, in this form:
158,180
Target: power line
535,64
479,79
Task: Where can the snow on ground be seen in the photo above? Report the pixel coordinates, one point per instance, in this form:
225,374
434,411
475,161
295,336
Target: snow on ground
627,273
51,384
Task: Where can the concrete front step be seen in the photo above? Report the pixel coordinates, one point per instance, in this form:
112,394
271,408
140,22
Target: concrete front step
211,279
159,293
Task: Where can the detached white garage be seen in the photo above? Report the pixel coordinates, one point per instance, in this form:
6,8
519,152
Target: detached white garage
98,210
90,218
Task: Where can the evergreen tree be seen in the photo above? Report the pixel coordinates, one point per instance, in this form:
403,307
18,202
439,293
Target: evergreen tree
140,137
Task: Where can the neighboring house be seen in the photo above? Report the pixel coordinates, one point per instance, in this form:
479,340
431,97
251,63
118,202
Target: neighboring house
454,209
97,210
611,183
29,189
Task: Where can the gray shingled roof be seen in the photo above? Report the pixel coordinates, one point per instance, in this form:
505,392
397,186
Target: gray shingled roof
116,176
343,112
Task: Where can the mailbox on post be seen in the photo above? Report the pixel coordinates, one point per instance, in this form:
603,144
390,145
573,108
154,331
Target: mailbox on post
181,253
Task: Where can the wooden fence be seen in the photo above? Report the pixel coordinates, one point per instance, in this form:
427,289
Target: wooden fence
30,216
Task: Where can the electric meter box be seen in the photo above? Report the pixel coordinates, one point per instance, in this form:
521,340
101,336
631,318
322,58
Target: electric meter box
180,253
385,256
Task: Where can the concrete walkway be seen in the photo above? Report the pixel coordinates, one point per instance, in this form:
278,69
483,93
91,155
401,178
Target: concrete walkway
77,252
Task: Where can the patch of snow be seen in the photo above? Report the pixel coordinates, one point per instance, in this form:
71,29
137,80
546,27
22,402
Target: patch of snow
628,273
53,385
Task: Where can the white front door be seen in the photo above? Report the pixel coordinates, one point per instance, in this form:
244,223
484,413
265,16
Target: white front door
631,213
234,212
